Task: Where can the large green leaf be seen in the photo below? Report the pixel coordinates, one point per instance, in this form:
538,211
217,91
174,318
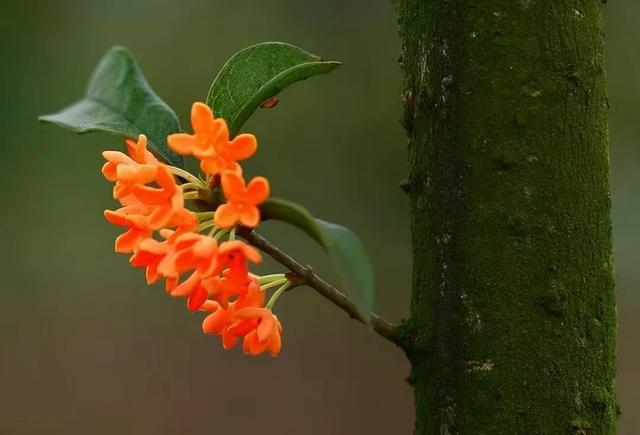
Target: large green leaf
346,250
256,74
120,101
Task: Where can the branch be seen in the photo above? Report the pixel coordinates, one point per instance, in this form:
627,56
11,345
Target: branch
305,276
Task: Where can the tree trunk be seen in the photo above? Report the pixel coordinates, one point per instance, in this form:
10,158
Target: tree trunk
512,325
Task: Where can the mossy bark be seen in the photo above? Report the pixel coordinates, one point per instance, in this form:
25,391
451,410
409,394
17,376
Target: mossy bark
512,325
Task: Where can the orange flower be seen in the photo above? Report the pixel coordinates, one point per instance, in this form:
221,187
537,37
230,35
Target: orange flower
141,220
219,281
164,206
196,251
166,190
158,258
172,214
210,142
138,150
126,173
222,316
253,297
248,291
242,201
167,200
218,319
136,225
223,289
154,207
140,168
234,254
195,289
261,330
122,168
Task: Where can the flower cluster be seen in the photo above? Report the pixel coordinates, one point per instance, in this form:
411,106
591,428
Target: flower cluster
197,254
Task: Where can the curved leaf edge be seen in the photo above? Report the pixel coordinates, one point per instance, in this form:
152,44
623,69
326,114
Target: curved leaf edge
52,118
263,91
297,216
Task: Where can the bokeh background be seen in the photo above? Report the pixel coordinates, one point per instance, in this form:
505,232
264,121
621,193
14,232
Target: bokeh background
87,348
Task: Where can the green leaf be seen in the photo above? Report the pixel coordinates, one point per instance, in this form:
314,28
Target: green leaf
346,250
294,214
256,74
119,101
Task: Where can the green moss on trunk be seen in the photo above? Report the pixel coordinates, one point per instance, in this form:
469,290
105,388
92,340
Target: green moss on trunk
512,326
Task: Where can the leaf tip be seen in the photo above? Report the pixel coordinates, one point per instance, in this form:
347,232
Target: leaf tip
119,49
49,118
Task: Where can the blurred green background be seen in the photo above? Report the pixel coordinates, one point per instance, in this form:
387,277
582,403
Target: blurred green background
88,348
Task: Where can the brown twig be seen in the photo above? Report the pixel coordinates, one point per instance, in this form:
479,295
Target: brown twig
305,276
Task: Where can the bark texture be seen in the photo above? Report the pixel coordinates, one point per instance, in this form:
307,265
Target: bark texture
512,325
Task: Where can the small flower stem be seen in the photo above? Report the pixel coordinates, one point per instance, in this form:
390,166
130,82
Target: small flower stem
187,176
219,235
205,215
265,279
204,225
273,284
232,234
191,195
190,185
277,294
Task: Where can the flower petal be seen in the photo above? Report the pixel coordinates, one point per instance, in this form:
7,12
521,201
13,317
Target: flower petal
215,322
205,248
160,216
226,216
141,174
255,346
201,118
250,313
138,150
242,327
182,143
197,298
152,275
266,328
233,186
117,157
250,217
116,218
187,287
229,340
242,147
127,241
149,195
165,179
109,171
257,190
275,344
